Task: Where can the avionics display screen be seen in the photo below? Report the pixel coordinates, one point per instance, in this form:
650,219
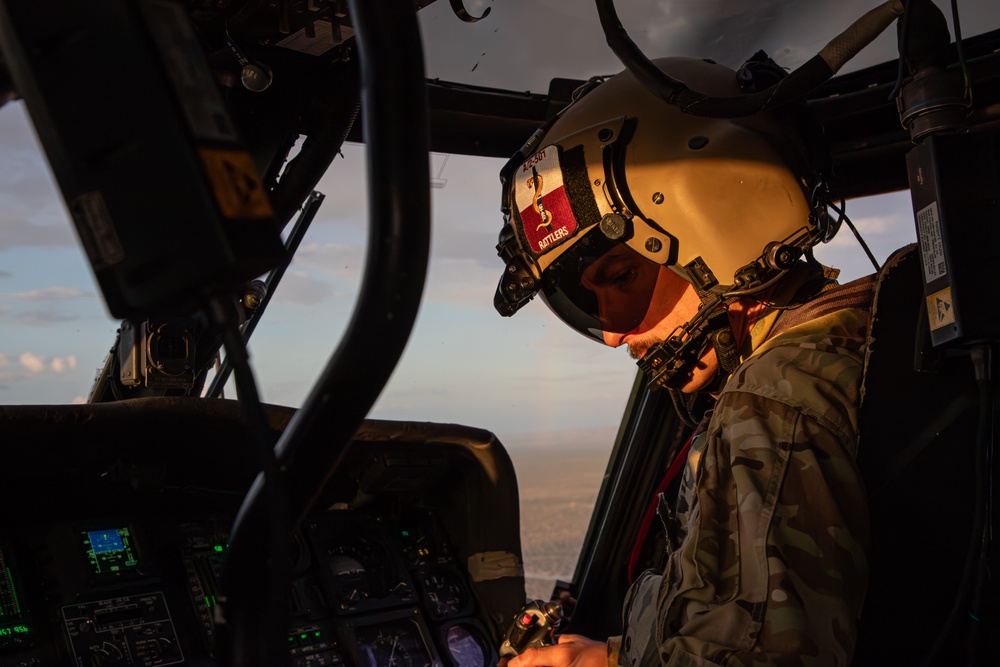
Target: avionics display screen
110,552
13,619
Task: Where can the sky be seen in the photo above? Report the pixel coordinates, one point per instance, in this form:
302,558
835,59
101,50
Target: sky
464,363
521,377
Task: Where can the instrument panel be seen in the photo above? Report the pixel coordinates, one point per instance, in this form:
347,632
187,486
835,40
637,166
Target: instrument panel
130,574
367,590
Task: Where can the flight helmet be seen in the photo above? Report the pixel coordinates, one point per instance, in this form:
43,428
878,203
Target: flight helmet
728,204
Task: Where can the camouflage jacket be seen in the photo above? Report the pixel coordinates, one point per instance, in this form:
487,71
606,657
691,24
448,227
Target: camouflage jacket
767,540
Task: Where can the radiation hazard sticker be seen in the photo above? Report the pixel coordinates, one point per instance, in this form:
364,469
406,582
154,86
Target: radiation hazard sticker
540,195
238,191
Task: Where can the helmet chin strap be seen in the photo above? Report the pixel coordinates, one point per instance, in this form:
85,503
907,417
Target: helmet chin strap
671,363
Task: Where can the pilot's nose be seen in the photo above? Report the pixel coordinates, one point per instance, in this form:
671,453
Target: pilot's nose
605,315
614,339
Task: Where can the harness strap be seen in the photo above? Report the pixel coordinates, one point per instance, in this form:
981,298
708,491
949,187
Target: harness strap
855,294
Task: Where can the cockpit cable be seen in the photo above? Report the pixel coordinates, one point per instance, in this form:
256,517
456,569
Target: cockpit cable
295,236
795,86
264,542
841,211
975,572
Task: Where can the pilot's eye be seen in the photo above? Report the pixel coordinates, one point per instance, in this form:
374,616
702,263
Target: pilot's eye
624,277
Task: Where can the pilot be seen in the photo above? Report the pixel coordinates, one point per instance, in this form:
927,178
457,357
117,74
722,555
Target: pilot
689,241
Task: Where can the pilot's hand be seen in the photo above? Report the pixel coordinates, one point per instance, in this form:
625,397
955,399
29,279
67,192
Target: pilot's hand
571,651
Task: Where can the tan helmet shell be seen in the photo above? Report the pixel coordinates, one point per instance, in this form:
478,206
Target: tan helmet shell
717,189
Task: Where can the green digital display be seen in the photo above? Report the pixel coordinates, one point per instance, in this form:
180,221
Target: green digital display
14,629
110,552
9,604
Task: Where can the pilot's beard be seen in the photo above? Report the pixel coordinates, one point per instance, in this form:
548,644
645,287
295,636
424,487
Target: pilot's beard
638,346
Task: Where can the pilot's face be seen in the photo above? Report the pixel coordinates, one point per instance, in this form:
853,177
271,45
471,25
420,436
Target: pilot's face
641,303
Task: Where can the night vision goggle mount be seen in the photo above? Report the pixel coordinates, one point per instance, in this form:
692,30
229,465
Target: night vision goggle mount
521,278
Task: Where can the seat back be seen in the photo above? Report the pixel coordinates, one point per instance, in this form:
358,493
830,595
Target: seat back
916,452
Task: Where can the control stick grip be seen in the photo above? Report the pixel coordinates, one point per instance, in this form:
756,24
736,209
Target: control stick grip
535,625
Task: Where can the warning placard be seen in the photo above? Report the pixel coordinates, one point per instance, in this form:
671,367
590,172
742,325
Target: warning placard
940,309
238,191
931,242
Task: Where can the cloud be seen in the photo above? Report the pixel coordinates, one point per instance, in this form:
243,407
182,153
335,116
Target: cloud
19,231
16,129
32,363
46,293
6,274
40,318
462,281
898,225
39,307
61,365
335,259
301,288
880,225
32,212
477,245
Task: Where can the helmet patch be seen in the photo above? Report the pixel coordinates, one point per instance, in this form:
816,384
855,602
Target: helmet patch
540,196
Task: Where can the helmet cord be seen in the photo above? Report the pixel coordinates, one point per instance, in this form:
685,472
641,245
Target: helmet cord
683,408
842,212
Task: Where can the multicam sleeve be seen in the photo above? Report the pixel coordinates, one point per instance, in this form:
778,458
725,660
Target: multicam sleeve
773,569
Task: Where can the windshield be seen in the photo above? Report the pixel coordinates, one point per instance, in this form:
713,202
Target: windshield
553,397
523,45
547,392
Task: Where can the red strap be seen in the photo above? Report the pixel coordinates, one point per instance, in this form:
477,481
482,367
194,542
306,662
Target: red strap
647,518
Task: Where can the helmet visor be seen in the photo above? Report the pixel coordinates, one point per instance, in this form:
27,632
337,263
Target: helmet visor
602,288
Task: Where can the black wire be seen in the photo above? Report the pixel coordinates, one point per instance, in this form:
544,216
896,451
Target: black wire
246,389
246,386
981,360
682,408
272,586
901,47
842,212
588,86
984,498
961,53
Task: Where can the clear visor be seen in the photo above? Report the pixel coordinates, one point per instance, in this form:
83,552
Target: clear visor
604,289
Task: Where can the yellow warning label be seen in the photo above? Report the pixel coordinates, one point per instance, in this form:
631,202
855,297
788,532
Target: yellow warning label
940,309
238,191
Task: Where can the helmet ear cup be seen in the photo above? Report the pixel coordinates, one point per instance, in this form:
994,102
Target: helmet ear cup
781,256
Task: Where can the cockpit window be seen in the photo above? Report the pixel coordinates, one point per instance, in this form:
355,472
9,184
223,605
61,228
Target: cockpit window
552,397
